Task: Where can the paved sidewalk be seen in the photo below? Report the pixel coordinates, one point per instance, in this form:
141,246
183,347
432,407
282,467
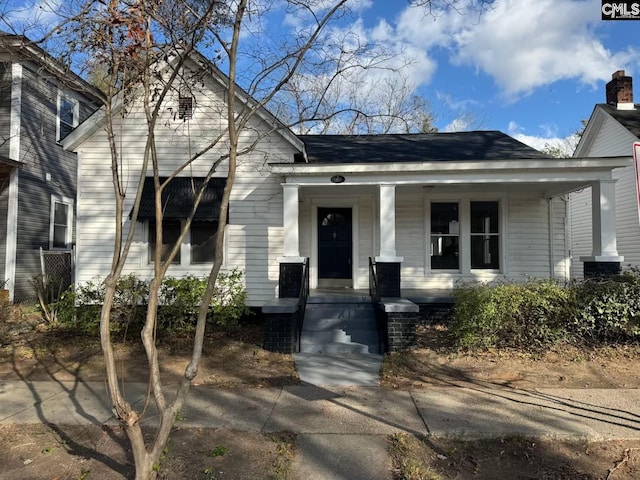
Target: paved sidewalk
342,430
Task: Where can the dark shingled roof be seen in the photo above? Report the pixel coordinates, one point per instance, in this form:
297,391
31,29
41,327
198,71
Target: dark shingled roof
423,147
629,119
178,197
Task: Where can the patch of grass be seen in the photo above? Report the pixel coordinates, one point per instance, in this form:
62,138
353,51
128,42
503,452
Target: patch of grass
409,461
219,451
281,467
84,474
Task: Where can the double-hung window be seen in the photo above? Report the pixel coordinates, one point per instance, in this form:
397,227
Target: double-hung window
464,235
60,223
68,112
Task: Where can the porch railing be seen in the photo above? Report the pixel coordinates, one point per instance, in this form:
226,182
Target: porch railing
373,282
381,320
302,302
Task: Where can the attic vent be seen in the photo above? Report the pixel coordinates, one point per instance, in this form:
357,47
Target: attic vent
185,107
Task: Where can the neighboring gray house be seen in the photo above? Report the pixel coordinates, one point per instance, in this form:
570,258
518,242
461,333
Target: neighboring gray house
611,132
40,103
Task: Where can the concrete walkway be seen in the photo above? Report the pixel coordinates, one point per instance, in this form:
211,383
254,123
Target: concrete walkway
341,432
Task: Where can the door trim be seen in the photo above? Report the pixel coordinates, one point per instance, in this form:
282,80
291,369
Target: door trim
355,221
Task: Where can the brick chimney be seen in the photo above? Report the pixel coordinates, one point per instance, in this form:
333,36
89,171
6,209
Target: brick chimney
620,91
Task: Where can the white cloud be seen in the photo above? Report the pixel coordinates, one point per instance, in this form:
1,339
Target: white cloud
566,145
522,44
23,17
526,44
456,125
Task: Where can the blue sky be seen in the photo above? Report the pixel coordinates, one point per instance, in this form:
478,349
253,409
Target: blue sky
530,68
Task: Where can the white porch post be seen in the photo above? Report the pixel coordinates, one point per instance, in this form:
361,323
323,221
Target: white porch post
603,212
388,224
291,247
291,277
388,269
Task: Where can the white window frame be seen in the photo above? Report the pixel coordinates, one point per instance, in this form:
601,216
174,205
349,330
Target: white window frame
76,112
464,219
69,234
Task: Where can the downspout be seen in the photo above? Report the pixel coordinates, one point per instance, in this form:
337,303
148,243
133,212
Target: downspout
567,237
552,269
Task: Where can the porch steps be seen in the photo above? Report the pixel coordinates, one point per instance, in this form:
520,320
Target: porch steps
337,325
339,342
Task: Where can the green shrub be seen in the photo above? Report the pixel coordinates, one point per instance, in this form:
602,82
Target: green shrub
528,315
180,300
79,307
538,313
608,309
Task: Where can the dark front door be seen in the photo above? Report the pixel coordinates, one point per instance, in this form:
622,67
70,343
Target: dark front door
334,245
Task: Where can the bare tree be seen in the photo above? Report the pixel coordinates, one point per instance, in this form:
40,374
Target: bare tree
145,54
143,59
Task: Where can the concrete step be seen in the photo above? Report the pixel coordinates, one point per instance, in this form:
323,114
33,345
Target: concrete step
338,323
324,336
334,348
353,312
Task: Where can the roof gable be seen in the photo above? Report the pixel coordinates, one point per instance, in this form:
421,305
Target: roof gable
23,48
85,130
607,132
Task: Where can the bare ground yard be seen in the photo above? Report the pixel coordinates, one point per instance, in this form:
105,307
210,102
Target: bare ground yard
234,357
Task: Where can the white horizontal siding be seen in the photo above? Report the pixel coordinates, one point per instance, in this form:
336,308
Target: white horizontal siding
611,140
627,222
410,237
254,235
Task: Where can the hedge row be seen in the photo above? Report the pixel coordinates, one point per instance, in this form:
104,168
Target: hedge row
540,313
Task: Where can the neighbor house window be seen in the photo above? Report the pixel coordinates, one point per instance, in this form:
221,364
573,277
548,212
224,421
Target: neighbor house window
67,116
61,223
170,233
203,241
485,235
445,236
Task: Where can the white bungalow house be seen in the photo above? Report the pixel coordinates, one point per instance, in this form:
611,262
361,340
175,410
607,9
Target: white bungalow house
429,209
611,132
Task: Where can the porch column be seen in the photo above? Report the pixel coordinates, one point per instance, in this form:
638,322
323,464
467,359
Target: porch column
291,264
388,263
604,259
290,214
